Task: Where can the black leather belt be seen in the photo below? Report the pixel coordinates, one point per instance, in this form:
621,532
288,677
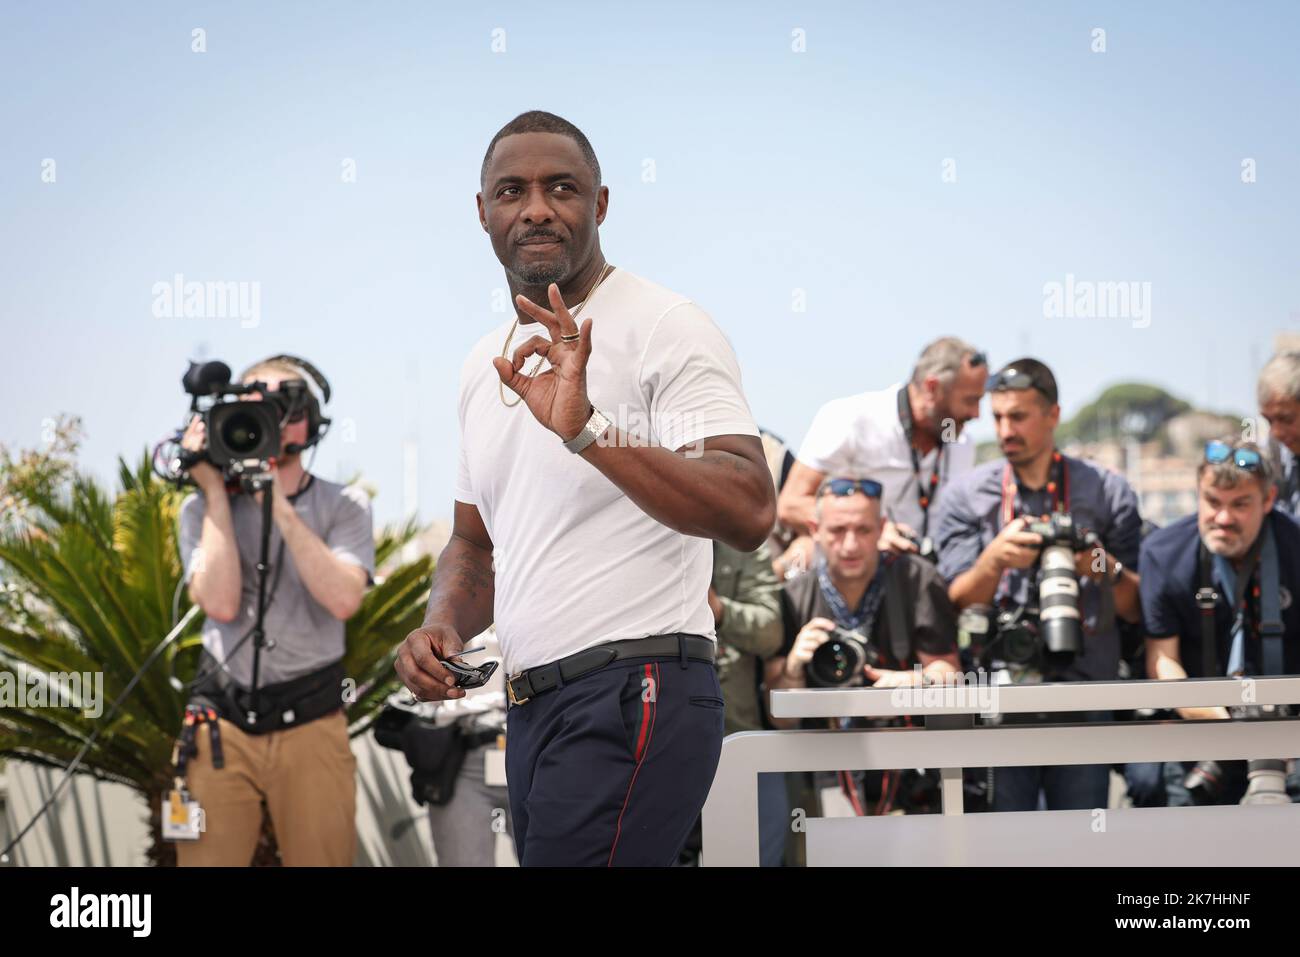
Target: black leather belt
534,681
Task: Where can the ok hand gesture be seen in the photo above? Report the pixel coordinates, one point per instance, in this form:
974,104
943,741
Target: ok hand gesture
557,397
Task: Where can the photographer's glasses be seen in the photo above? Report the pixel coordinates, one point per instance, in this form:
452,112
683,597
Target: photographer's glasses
840,487
1217,452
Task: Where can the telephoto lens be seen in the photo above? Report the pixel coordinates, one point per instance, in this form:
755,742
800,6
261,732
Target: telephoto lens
1266,782
1058,601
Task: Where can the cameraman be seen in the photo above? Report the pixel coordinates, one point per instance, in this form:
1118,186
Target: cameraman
990,561
296,760
897,603
1242,555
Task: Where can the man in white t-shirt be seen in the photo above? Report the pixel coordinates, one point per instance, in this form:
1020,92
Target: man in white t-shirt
906,437
597,463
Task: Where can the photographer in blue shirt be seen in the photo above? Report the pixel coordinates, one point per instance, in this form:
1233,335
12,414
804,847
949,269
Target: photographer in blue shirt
993,554
1218,598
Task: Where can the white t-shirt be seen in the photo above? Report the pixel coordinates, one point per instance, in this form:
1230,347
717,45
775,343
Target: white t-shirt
577,562
861,436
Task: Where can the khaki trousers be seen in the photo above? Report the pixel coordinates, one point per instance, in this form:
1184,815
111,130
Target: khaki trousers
306,775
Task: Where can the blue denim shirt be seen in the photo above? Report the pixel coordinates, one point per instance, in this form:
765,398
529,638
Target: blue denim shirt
970,517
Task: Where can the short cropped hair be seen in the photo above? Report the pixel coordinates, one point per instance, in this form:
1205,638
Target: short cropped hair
1044,382
539,121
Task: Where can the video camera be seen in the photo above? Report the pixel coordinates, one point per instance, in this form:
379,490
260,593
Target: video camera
243,422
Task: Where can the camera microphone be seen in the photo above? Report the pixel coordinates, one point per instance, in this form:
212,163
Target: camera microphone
206,378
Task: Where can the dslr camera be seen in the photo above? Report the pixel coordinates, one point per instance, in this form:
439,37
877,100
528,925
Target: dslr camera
840,660
1050,626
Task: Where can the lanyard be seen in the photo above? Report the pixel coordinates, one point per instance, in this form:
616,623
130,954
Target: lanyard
1259,580
924,496
1058,486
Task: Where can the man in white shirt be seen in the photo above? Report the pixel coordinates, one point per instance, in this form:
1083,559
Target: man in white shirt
908,438
596,572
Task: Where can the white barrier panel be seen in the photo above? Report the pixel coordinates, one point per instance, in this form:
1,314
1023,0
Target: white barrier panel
730,817
1249,836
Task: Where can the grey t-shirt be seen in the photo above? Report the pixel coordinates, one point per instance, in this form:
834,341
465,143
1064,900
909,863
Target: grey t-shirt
307,637
970,517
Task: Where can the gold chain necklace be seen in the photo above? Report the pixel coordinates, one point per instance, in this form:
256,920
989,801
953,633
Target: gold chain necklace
505,350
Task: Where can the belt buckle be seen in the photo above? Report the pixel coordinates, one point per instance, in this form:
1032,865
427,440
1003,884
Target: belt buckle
510,689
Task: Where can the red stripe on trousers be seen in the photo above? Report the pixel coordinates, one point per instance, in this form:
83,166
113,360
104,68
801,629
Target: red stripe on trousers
644,737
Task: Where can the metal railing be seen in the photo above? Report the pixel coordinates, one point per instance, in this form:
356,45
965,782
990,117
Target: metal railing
950,741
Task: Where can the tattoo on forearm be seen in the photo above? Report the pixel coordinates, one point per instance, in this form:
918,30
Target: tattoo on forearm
461,574
469,574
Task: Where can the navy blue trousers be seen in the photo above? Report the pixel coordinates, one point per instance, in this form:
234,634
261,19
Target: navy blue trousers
613,768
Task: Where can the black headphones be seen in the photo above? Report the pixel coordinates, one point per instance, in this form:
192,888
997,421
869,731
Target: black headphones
317,424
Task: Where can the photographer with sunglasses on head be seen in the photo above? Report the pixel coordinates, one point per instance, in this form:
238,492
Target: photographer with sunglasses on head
1218,599
1038,549
863,616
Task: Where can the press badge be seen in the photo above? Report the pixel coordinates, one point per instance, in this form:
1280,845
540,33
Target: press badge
182,818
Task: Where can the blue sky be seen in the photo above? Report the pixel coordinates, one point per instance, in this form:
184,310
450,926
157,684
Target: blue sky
775,171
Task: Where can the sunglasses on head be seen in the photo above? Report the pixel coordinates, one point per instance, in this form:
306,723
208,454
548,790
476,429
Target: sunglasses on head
1017,380
1217,452
840,487
978,359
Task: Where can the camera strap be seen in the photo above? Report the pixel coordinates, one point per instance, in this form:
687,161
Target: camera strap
1058,487
900,642
924,496
1218,577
